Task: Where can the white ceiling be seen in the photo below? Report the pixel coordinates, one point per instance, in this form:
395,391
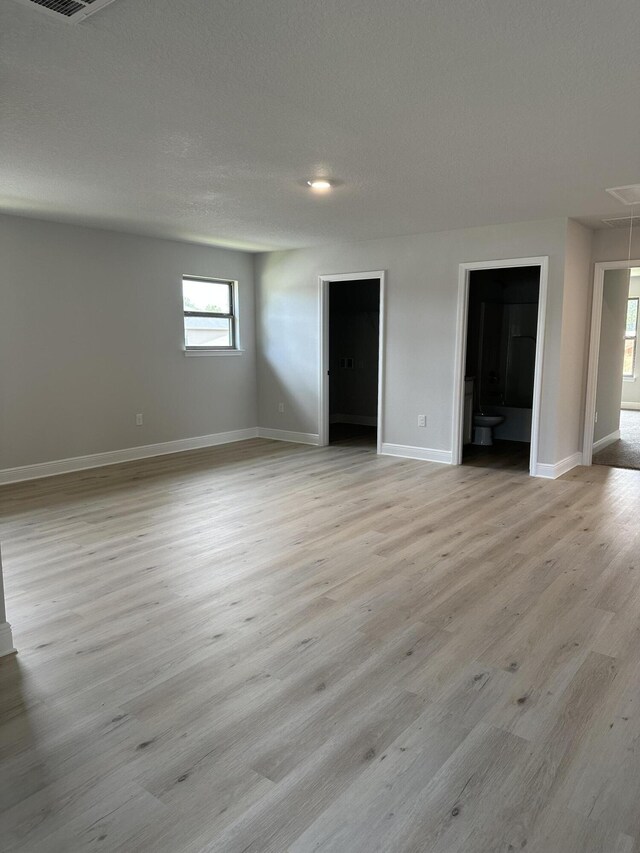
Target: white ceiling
198,119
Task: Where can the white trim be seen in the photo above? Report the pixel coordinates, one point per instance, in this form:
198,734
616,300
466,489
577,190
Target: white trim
198,353
606,441
235,290
129,454
361,420
6,640
288,435
592,364
631,407
323,356
426,454
464,271
323,342
594,352
552,472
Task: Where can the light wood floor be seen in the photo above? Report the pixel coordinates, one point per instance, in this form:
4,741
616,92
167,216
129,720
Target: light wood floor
270,647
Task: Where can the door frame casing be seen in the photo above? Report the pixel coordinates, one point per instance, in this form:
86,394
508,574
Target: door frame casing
594,352
323,380
464,273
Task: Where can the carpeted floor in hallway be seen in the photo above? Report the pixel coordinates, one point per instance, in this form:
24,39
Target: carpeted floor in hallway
624,453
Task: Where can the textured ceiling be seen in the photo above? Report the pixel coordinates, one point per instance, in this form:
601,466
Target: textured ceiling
199,119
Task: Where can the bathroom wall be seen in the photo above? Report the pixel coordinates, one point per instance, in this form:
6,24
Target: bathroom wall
520,326
609,388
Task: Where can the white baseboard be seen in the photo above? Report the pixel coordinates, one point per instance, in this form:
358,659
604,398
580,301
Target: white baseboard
130,454
633,407
604,442
6,640
427,454
552,472
362,420
288,435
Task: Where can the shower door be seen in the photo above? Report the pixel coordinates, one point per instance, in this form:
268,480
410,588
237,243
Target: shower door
521,323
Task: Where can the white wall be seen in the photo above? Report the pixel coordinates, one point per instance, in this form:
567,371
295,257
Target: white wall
611,353
631,387
6,637
612,244
91,333
3,611
422,290
574,352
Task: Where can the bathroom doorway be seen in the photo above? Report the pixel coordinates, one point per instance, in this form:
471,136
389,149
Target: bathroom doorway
351,358
499,366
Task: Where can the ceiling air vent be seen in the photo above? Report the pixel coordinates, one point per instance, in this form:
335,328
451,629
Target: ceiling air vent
621,221
627,195
67,10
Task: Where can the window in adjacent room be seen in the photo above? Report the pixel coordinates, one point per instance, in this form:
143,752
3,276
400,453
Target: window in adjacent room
630,339
209,314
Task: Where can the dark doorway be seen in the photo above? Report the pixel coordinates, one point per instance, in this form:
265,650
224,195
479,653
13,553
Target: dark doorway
354,329
500,366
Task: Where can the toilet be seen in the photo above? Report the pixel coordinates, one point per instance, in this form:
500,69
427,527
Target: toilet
483,428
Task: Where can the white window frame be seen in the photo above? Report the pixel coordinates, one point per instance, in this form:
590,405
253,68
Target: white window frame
235,348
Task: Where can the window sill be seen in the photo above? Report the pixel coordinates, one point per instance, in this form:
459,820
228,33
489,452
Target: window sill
628,378
199,353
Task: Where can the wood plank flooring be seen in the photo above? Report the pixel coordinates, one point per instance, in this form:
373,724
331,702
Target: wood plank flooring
266,647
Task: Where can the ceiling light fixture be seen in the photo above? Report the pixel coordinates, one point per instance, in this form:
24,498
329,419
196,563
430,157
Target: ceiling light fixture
320,185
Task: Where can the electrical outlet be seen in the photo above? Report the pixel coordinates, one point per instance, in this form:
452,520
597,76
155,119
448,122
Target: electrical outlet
596,419
281,407
422,420
139,419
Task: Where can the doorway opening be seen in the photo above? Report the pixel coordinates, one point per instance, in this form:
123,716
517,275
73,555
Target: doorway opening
499,364
612,418
352,324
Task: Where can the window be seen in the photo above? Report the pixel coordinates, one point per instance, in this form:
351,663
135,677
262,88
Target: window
630,339
209,314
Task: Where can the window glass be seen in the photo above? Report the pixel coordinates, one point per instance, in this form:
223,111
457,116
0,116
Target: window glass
209,314
207,332
209,296
630,339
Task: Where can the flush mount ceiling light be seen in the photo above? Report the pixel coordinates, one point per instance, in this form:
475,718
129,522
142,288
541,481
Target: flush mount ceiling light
320,185
627,195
